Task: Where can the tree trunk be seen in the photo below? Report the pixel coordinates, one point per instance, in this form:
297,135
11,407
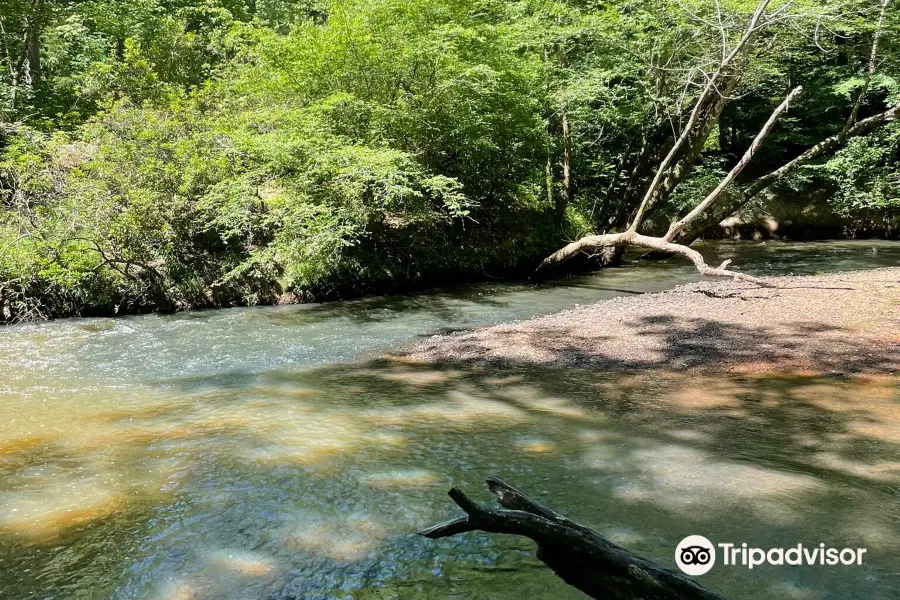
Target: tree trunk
565,195
631,238
32,66
685,163
548,179
579,555
710,94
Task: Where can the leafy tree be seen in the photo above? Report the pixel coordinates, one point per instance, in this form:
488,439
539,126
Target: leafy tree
165,154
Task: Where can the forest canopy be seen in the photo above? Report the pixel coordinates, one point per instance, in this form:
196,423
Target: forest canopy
157,155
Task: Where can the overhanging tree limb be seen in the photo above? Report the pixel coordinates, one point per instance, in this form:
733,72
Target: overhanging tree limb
665,244
633,239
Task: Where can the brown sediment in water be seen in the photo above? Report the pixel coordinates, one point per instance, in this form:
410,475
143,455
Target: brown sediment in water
844,323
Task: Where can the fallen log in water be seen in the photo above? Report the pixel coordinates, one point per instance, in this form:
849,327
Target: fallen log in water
579,555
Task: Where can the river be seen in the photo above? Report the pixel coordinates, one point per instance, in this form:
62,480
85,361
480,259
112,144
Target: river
270,453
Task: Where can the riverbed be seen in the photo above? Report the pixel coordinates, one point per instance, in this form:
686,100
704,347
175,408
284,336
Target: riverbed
273,453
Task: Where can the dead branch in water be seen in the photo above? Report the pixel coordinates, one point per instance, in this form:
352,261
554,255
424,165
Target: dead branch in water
579,555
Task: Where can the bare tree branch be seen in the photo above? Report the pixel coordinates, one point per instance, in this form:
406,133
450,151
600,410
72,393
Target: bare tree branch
709,89
633,239
879,29
678,227
581,556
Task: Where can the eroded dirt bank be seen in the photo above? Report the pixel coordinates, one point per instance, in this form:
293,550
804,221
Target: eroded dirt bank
844,323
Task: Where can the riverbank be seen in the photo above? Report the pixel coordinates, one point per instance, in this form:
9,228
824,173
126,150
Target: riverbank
839,323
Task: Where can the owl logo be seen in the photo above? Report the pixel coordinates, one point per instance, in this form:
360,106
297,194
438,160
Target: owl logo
695,555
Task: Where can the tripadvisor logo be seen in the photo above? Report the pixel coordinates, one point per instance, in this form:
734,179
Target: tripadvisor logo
696,555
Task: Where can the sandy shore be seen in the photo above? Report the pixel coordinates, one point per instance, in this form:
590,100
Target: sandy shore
840,323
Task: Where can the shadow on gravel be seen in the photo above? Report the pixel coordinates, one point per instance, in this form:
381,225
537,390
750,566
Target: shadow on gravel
675,344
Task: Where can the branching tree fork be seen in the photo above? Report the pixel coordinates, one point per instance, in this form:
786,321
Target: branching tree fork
631,237
852,128
705,113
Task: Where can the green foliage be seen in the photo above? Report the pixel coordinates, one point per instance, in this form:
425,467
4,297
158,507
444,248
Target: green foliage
178,153
866,180
334,159
706,176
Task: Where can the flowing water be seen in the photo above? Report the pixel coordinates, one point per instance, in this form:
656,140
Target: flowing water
269,453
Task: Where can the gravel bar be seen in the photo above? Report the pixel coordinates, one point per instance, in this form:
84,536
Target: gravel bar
838,323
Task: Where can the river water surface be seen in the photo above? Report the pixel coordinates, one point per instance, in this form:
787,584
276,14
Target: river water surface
270,453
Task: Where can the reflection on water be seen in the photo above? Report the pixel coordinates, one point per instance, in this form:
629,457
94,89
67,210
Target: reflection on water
206,456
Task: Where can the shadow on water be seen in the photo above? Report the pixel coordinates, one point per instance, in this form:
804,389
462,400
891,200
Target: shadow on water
308,484
442,305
